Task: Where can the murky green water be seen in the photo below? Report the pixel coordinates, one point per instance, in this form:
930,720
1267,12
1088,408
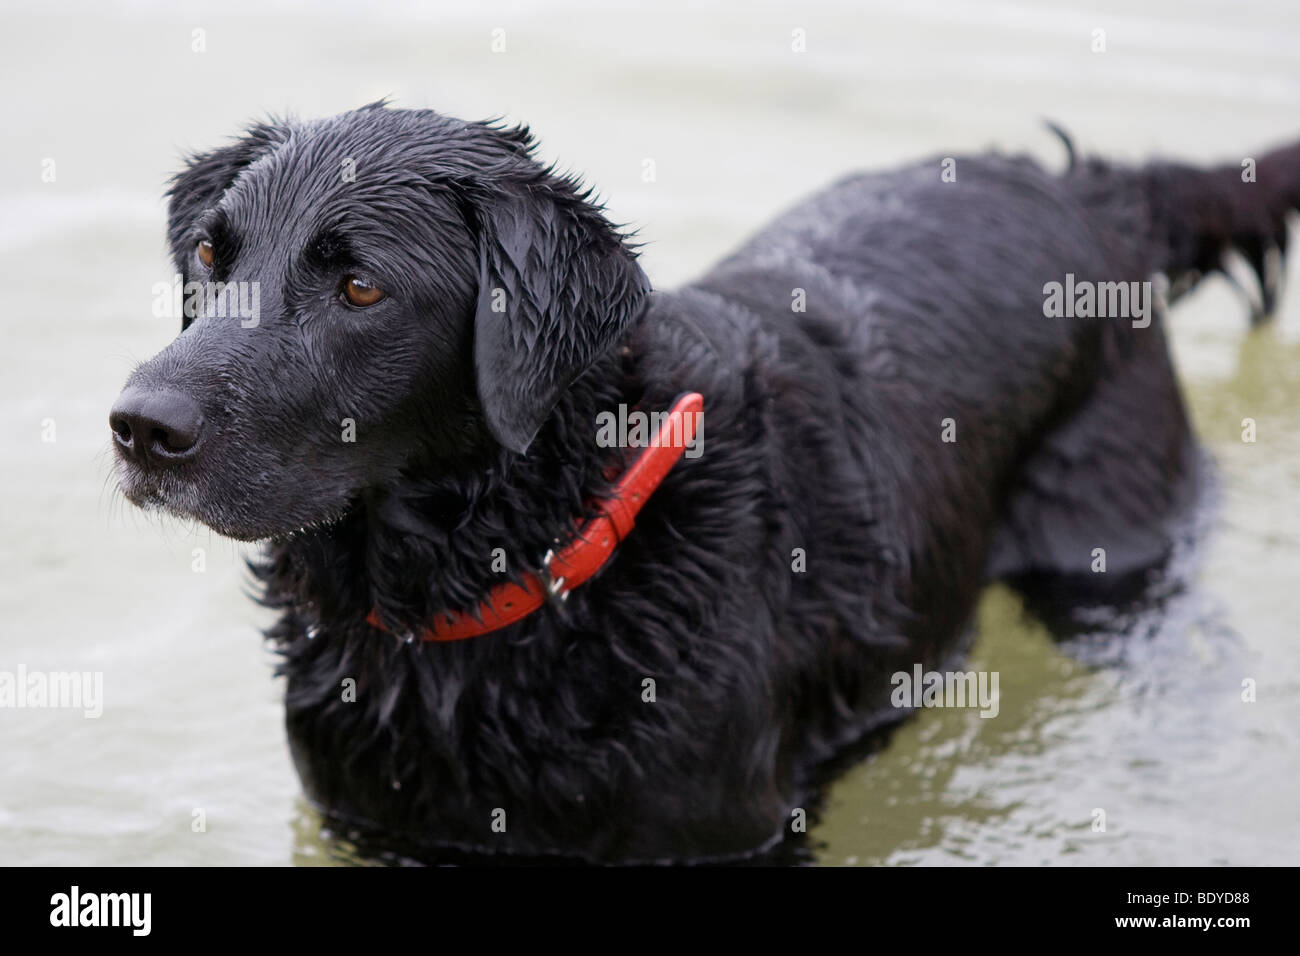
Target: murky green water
1151,728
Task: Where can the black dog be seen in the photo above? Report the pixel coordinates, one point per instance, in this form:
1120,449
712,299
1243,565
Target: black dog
905,394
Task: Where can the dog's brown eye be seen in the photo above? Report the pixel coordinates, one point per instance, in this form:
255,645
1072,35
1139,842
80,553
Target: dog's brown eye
361,293
206,253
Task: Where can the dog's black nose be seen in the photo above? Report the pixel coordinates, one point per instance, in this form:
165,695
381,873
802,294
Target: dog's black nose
156,426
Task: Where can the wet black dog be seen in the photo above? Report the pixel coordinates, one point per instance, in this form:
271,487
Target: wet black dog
912,383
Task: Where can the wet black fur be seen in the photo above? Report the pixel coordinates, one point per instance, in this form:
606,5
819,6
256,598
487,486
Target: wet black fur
476,430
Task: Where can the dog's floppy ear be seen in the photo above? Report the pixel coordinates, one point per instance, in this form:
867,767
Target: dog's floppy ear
557,285
205,177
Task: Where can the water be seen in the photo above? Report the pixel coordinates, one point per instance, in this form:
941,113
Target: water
1149,728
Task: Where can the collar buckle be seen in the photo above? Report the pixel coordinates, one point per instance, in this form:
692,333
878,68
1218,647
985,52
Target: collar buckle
555,590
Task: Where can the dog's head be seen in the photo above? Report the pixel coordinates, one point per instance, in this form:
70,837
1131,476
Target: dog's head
359,293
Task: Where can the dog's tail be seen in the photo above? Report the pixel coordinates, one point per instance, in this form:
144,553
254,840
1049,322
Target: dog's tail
1194,218
1198,216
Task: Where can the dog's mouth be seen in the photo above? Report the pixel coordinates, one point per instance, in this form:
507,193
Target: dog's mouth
148,498
143,488
153,490
186,492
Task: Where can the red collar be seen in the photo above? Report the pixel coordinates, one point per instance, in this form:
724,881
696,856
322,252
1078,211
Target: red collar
594,545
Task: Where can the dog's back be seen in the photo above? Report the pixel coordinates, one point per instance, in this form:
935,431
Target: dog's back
931,418
957,321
